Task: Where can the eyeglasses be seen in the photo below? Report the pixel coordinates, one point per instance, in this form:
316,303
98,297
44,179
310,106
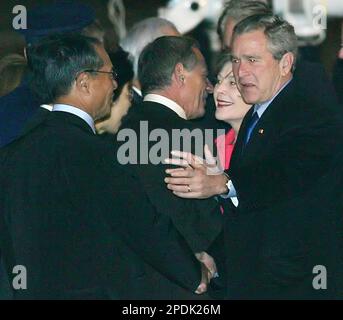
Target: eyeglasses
112,73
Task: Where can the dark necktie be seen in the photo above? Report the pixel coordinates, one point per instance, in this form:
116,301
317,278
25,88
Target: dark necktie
250,127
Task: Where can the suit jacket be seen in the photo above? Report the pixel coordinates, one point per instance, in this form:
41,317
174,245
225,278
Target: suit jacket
15,110
136,98
79,224
277,235
338,79
199,221
37,118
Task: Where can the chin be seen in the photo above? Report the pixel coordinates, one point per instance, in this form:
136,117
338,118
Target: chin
250,100
222,114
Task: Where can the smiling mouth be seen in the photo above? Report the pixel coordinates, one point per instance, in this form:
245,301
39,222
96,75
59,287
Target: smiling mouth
224,104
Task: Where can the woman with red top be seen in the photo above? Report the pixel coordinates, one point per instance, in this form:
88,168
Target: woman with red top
230,108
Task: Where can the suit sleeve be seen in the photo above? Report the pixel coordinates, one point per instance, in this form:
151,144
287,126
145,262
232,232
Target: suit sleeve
150,234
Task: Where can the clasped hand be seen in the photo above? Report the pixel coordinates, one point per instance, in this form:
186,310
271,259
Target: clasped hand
196,178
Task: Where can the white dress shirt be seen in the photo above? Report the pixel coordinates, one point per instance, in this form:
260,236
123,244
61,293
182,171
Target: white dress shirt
172,105
46,106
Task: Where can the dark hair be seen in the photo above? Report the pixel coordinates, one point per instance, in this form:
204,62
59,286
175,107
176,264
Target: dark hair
123,67
55,61
142,33
158,60
222,59
238,10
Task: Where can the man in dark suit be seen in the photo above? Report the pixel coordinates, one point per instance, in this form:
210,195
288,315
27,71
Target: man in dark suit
173,76
282,204
21,105
286,144
77,222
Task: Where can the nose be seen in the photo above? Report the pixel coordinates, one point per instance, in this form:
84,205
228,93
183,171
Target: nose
242,69
220,87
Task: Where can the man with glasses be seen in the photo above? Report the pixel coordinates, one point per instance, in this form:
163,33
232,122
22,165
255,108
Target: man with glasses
69,214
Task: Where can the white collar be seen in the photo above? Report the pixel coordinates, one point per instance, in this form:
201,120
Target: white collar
260,108
46,106
167,103
138,91
77,112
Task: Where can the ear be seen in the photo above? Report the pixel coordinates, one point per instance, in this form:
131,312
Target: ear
286,63
83,83
179,74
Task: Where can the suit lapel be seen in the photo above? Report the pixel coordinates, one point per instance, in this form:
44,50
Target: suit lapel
238,149
267,127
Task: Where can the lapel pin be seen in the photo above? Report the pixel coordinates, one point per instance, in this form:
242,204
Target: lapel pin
261,131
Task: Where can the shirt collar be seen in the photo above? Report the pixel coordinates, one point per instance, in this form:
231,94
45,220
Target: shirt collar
77,112
260,108
167,103
138,91
46,106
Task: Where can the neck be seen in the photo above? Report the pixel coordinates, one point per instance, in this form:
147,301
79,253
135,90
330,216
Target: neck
168,94
235,124
136,84
76,104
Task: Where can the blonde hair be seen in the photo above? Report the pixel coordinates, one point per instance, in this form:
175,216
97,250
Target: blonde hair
12,68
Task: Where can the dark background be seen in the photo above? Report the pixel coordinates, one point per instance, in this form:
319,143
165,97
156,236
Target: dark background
136,10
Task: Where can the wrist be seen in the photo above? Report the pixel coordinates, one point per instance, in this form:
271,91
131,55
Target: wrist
222,185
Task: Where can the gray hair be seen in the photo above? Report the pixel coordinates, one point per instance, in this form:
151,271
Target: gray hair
141,34
279,33
238,10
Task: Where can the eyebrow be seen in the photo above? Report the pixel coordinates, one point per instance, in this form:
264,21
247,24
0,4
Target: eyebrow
251,56
246,57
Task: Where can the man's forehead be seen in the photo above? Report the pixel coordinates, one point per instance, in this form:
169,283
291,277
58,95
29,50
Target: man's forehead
255,39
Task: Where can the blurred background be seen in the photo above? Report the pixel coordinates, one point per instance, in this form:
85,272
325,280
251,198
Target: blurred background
195,17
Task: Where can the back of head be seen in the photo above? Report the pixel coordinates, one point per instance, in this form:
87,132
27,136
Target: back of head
12,68
123,67
159,58
94,30
143,33
279,33
237,10
54,63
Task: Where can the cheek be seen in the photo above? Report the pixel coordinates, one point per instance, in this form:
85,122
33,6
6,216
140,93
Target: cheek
215,96
237,96
235,70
